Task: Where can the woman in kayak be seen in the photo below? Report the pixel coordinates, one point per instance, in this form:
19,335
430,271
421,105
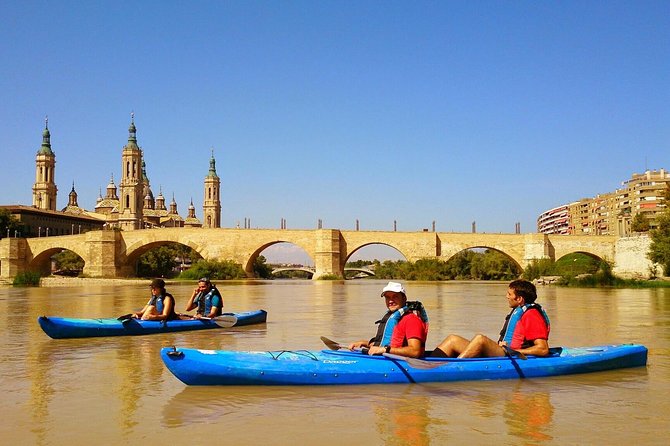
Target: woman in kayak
161,305
403,329
206,299
526,330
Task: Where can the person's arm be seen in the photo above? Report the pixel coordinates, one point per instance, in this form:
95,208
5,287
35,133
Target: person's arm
191,304
217,306
535,329
359,344
413,349
139,314
540,347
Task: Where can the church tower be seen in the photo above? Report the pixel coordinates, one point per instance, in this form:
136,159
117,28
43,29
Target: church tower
131,186
211,206
73,197
44,189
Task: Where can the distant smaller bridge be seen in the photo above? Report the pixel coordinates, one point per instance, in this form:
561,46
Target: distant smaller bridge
308,269
361,272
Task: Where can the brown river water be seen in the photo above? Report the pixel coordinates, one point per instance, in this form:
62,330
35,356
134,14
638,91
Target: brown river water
116,390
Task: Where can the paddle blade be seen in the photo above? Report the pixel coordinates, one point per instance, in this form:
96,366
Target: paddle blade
225,321
417,363
331,344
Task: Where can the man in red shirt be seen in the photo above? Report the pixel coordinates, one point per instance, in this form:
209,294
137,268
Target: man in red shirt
401,331
526,329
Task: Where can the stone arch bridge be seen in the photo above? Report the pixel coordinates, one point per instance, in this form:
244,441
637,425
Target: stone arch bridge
112,253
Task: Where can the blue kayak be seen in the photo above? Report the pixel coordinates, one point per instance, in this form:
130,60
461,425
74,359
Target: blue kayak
62,327
327,367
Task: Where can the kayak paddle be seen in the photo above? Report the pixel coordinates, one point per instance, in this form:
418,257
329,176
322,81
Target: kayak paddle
223,321
125,318
414,362
332,344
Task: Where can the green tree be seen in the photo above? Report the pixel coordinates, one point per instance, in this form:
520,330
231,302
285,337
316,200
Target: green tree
640,223
9,222
361,263
538,268
262,269
220,270
68,260
158,262
659,250
466,265
459,266
165,261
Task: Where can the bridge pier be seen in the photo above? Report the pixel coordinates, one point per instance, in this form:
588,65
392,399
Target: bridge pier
12,257
537,247
327,258
102,255
631,261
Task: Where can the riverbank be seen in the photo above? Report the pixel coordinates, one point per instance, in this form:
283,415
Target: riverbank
55,281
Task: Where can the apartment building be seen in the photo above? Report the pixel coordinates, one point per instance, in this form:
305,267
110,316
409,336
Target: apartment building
555,221
610,213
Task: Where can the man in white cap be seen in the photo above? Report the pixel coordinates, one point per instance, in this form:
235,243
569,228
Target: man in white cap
401,331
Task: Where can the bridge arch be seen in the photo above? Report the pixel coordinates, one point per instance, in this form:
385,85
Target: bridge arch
248,265
356,249
592,255
586,253
41,261
136,251
484,247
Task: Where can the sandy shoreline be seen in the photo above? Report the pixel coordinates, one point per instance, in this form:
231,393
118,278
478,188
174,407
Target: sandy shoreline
83,281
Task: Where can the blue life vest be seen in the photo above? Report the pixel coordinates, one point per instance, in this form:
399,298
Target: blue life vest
159,303
206,301
388,323
514,317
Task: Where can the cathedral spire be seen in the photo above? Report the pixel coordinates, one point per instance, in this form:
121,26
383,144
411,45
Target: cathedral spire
46,139
132,131
212,166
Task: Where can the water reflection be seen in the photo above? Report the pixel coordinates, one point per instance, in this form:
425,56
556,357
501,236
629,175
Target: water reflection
40,376
203,405
403,418
529,414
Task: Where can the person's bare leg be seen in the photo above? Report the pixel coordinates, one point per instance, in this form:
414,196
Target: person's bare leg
481,347
151,311
452,346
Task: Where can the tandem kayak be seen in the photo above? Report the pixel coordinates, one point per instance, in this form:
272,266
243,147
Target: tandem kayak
327,367
61,327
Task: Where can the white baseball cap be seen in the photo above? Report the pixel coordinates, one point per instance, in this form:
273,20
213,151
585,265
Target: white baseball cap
395,287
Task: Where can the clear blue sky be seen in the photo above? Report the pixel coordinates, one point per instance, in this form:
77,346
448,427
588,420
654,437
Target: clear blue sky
341,110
